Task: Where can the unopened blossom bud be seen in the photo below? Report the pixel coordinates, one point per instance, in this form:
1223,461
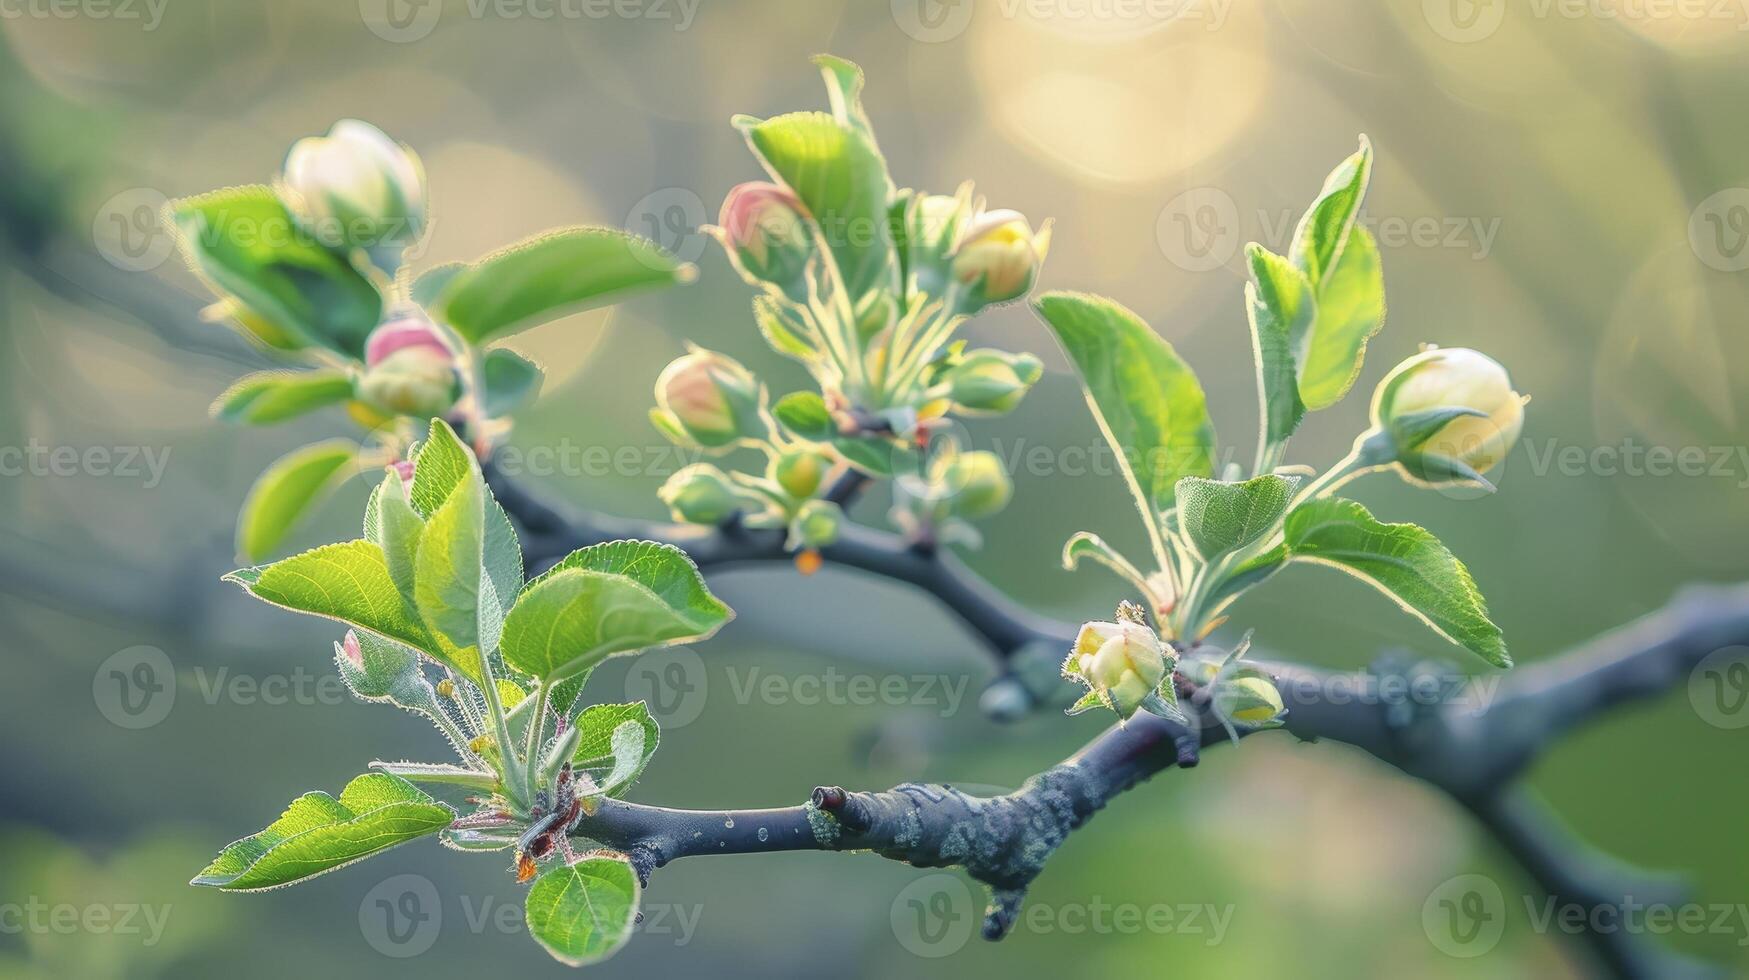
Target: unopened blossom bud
999,255
404,469
974,484
353,652
710,399
992,381
1450,414
409,370
1124,660
357,188
766,227
799,472
816,524
700,494
1247,696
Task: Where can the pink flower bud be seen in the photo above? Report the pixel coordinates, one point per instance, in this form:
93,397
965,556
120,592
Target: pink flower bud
404,469
765,225
351,648
411,330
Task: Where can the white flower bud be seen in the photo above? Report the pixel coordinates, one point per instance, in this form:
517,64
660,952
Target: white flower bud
999,256
1450,414
1124,662
356,187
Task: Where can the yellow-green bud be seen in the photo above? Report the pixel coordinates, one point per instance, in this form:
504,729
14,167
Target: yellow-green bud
420,381
973,484
700,494
356,187
1124,660
1420,407
799,472
1247,696
992,381
999,255
816,524
710,399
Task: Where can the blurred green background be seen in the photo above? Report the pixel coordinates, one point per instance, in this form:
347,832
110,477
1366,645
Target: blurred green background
1561,186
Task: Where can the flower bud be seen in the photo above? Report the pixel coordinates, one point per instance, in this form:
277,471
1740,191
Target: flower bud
765,226
409,369
973,484
357,188
999,256
709,399
353,651
1450,414
799,472
992,381
815,524
700,494
1247,696
1123,661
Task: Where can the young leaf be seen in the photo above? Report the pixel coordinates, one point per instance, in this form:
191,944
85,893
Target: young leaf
245,243
1086,544
1280,304
1405,562
1223,517
349,582
318,834
573,619
614,760
394,525
583,913
842,180
444,463
1323,230
844,83
663,569
448,575
549,276
788,335
1351,310
266,397
1146,400
441,774
804,414
285,492
512,381
386,671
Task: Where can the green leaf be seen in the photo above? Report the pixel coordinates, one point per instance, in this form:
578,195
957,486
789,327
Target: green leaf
574,619
842,180
444,463
1323,230
430,284
441,774
318,834
394,525
266,397
1146,400
663,569
1405,562
844,82
549,276
1224,517
449,577
1252,573
583,913
1279,301
512,381
805,415
387,672
245,243
1086,544
348,582
787,336
285,492
1351,310
878,457
614,759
